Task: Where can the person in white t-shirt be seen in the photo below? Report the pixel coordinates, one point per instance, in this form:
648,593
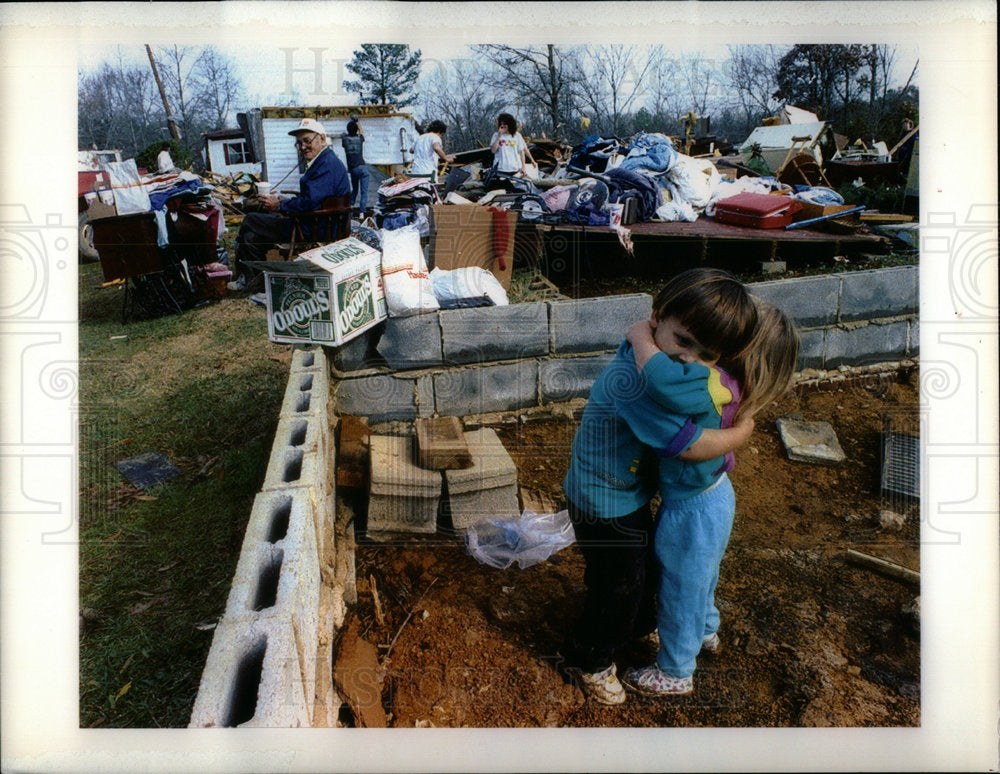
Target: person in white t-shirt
510,151
427,150
163,161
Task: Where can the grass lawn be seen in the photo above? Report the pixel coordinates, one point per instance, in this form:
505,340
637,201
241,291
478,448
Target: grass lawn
204,389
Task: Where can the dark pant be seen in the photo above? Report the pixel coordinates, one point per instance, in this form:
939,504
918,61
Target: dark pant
259,232
621,576
359,187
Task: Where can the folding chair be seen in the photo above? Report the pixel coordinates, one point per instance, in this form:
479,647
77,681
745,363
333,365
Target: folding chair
331,222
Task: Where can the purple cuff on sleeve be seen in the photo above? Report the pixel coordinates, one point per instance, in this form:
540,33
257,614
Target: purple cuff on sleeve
728,464
681,441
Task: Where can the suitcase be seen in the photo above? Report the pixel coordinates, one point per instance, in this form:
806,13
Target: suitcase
757,210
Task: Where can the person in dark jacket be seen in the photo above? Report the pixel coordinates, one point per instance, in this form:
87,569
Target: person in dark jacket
324,176
353,143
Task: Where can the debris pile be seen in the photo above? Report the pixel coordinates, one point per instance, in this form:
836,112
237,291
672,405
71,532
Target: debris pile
607,181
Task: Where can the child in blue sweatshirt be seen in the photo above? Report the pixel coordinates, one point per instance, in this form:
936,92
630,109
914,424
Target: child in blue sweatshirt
702,314
696,516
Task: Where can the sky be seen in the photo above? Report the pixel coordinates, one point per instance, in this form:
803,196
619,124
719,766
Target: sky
315,73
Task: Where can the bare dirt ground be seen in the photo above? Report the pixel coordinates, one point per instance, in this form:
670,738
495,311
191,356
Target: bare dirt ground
808,638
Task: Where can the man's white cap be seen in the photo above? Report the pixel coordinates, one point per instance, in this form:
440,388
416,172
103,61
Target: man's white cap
309,125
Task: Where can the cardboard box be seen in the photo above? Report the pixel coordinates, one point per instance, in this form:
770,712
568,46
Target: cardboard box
328,296
98,209
465,236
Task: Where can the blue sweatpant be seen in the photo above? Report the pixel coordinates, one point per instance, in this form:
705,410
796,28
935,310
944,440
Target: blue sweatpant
690,540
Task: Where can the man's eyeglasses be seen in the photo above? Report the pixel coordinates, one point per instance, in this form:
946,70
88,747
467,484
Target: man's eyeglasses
305,143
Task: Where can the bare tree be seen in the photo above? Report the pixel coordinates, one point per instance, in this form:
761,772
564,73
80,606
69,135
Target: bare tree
701,82
544,76
664,100
611,79
463,95
214,78
116,107
177,67
752,80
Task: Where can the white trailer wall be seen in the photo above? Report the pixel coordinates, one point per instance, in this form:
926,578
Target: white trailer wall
387,142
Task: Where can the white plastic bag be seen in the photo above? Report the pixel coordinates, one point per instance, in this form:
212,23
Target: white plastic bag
123,178
674,207
531,539
467,282
404,273
694,179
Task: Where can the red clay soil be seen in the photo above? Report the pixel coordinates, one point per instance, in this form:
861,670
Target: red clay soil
808,639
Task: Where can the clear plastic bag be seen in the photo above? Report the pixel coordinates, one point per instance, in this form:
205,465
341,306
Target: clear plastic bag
528,540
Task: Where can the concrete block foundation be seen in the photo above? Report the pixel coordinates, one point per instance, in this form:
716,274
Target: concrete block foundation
402,496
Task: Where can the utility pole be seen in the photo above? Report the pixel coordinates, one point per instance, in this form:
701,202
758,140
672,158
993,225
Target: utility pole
163,95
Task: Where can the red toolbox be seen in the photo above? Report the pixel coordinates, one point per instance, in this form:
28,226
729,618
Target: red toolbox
757,210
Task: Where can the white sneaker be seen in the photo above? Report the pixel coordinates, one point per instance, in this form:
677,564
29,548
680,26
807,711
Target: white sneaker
653,681
603,687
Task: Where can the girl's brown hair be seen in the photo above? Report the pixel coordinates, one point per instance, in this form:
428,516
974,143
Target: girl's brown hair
507,118
713,305
765,367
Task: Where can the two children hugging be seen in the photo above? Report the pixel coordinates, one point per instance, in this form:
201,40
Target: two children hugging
665,416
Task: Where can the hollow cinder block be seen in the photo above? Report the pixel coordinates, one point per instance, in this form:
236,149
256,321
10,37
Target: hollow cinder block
289,466
278,574
307,433
303,394
253,678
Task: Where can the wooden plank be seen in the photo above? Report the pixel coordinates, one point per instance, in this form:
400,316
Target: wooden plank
708,229
882,566
352,453
885,217
441,444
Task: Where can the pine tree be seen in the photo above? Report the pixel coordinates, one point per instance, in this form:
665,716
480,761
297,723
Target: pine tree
387,73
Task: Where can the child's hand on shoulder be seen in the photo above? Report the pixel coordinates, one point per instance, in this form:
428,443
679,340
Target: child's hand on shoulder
744,426
640,336
640,332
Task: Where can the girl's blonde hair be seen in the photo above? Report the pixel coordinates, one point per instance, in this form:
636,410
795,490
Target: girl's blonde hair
713,305
765,366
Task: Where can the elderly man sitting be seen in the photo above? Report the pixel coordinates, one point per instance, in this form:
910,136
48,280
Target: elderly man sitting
324,176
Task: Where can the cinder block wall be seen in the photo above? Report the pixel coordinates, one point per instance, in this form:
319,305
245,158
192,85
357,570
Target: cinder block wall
263,668
472,361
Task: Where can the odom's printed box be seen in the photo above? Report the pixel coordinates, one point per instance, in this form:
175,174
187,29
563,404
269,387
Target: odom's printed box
328,295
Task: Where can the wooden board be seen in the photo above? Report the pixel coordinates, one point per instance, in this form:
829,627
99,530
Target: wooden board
441,444
352,453
356,673
884,217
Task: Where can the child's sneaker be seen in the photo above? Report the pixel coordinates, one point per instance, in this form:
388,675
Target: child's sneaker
653,681
650,643
711,644
603,687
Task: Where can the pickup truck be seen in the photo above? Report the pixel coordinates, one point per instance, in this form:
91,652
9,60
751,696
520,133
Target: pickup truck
89,172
